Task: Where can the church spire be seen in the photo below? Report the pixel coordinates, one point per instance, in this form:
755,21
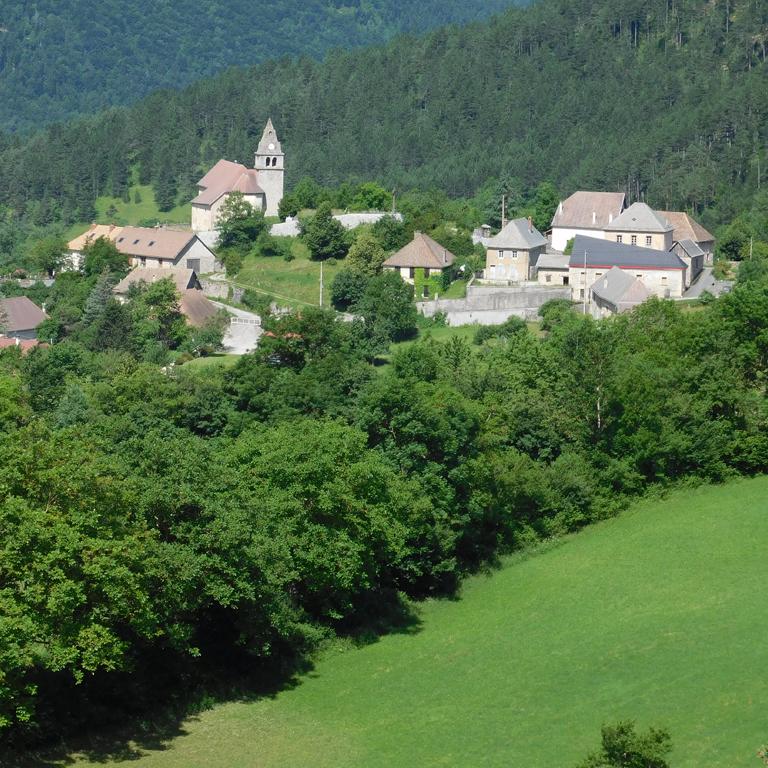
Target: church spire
269,144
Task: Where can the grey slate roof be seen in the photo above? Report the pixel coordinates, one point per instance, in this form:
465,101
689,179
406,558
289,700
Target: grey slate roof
553,261
518,234
606,253
588,210
639,217
690,248
620,289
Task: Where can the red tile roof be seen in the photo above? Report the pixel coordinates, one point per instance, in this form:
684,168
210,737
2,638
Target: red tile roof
227,177
422,252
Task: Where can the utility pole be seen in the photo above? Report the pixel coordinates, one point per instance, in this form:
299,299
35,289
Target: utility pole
503,211
751,242
394,208
585,281
321,283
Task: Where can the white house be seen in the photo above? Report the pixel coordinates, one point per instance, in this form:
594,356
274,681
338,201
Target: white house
662,273
262,186
585,213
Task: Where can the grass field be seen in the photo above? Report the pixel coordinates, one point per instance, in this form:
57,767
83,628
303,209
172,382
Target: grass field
132,213
293,283
658,616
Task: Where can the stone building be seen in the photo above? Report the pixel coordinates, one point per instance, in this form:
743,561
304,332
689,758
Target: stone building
262,186
616,291
640,225
687,228
662,273
585,213
513,253
164,248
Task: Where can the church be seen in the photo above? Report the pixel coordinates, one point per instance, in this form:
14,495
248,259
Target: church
261,186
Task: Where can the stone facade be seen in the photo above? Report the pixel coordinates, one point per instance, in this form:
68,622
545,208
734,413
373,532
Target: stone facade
664,283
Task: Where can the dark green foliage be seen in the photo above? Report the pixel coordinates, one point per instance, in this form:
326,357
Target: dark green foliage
53,67
623,747
239,223
347,288
325,237
387,308
101,256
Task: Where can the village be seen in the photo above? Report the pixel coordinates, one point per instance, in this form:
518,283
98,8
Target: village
600,253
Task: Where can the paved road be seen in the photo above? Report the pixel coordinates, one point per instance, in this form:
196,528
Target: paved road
244,331
706,282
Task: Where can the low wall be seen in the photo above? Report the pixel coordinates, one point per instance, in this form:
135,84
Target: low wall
493,304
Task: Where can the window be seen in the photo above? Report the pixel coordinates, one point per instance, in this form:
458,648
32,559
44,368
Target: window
514,254
426,271
501,255
634,239
425,292
143,261
120,239
549,278
598,274
618,238
411,272
663,280
581,293
565,280
648,240
639,277
151,242
135,242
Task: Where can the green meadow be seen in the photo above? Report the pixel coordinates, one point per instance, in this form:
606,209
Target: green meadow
657,615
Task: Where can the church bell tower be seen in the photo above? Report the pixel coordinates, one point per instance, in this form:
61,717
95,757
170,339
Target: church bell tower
270,164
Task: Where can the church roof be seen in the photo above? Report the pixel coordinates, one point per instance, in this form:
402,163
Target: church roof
588,210
518,233
226,177
639,217
422,252
269,144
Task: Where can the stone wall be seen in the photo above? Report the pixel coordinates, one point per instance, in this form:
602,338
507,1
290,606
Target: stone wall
493,304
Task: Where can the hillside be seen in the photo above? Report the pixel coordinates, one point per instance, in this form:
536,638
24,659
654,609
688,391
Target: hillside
59,57
667,104
651,616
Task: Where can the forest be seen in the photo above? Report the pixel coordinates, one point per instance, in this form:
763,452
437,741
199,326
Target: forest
164,526
664,100
59,58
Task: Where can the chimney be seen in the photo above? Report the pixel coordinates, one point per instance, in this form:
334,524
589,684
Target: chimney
445,256
594,217
530,224
560,207
610,218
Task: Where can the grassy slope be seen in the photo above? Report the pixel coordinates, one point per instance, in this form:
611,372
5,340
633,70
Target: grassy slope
132,213
658,615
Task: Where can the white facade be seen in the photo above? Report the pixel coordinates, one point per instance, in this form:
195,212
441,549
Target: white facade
196,256
561,235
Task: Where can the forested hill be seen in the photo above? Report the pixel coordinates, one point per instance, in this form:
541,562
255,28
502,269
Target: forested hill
60,57
667,100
